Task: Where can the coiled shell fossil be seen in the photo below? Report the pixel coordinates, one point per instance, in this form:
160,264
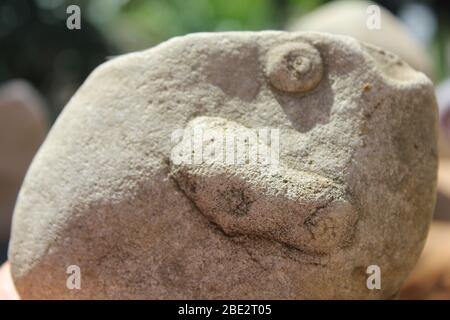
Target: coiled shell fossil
294,67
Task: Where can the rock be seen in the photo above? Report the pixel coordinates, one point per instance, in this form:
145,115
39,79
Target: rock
350,17
430,278
135,186
23,126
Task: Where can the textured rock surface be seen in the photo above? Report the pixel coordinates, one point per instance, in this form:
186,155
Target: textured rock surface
355,184
349,17
23,126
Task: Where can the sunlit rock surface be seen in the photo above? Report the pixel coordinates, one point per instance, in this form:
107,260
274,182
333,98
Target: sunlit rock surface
113,192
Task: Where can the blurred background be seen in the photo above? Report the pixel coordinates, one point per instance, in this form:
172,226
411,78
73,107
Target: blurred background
42,63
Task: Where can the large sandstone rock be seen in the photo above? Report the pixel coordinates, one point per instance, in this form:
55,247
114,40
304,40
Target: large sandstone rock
23,126
351,17
117,188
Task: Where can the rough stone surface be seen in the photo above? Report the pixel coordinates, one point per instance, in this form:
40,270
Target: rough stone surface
113,192
351,17
23,126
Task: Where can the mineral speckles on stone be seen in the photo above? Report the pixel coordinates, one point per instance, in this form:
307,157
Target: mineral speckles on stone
294,67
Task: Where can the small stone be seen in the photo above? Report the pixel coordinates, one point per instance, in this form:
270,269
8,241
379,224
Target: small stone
23,126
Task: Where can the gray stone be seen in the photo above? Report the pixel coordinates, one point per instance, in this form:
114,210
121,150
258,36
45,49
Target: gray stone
115,189
23,126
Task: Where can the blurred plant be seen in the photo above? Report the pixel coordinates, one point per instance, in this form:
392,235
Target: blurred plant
140,24
442,50
36,45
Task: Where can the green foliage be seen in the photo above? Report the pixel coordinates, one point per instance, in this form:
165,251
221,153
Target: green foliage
153,21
